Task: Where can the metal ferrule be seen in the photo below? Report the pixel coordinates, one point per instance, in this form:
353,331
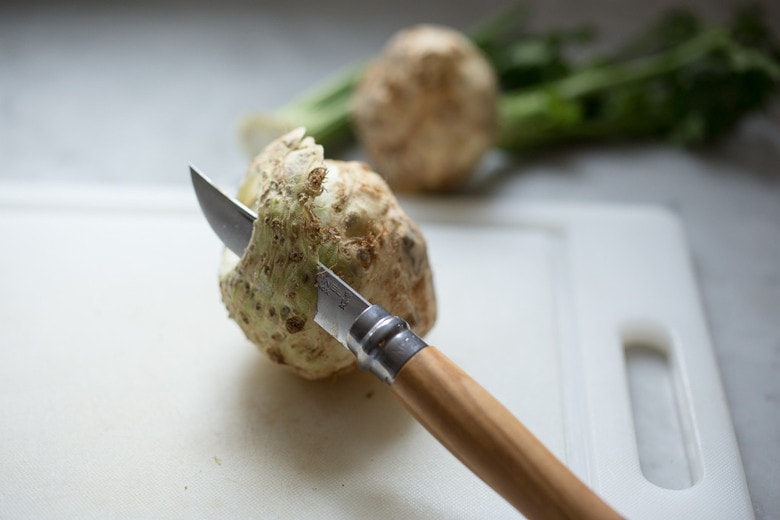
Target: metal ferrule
382,343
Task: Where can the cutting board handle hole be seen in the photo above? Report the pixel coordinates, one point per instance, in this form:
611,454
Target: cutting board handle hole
665,437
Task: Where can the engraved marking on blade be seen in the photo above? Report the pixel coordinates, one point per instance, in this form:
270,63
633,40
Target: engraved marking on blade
324,284
327,286
345,300
322,278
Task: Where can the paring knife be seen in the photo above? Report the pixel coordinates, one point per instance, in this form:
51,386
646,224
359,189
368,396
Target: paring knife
461,414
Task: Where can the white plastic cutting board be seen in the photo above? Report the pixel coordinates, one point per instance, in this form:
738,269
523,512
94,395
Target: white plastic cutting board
125,391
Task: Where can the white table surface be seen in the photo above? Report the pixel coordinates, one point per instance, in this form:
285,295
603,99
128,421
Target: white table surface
106,94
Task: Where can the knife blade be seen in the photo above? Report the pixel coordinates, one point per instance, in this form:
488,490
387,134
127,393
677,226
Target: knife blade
460,413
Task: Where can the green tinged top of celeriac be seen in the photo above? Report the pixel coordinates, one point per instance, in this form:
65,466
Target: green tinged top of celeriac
281,186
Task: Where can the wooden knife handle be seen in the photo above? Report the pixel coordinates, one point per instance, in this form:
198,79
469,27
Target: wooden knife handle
491,442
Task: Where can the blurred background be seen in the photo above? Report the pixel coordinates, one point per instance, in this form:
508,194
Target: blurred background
129,94
102,91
